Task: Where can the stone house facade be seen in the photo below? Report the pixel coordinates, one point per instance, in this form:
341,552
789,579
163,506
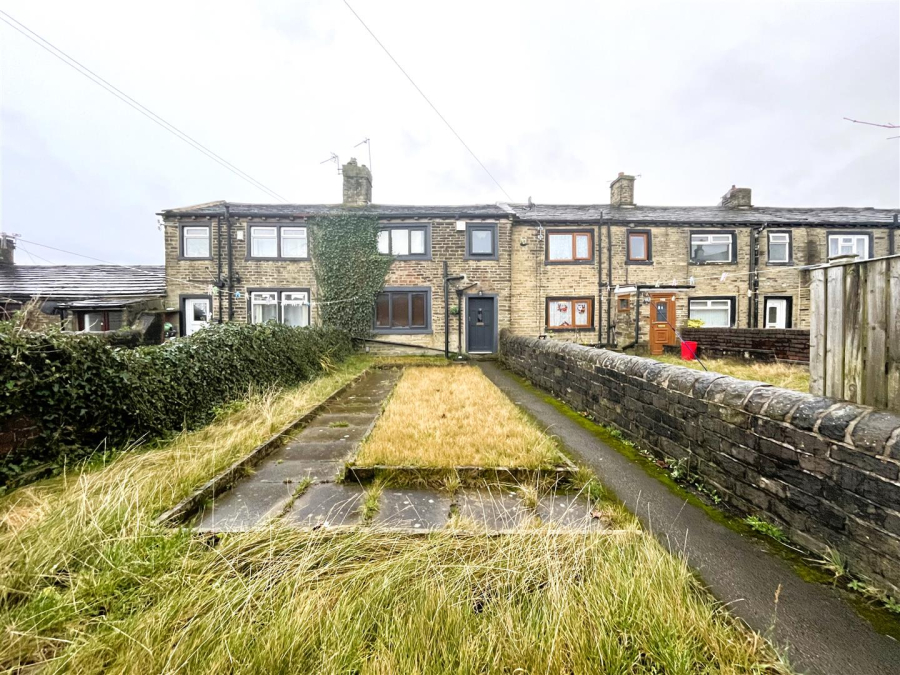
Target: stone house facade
585,273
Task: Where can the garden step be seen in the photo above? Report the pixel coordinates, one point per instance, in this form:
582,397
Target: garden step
494,508
327,505
297,470
300,450
248,504
567,512
412,509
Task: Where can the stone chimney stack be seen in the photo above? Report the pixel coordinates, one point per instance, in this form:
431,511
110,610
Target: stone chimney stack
736,198
621,191
7,250
357,184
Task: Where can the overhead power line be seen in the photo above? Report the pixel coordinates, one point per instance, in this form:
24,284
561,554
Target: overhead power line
146,112
428,101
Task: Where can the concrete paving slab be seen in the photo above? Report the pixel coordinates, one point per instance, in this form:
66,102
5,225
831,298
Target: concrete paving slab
327,505
296,470
245,506
335,419
567,512
494,508
322,434
297,450
413,509
368,407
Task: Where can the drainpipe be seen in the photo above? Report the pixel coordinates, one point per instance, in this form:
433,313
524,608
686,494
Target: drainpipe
230,265
637,314
753,280
609,286
600,283
219,283
447,280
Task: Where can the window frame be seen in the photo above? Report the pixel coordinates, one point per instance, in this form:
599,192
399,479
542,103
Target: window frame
279,291
182,234
104,319
572,299
790,248
494,229
627,307
409,330
572,233
850,233
648,243
408,226
732,314
706,233
278,241
789,310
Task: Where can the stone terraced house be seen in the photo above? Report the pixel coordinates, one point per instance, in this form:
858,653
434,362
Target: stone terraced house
611,273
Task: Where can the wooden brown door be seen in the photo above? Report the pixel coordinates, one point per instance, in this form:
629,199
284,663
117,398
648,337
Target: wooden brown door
662,322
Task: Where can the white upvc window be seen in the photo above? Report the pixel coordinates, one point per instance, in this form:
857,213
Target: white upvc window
263,306
295,308
779,247
848,244
263,242
294,243
713,313
195,242
712,248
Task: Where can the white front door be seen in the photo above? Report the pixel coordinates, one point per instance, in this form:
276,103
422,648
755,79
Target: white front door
776,313
196,314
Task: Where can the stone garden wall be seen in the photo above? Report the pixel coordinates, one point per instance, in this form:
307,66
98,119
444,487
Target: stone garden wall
790,344
826,471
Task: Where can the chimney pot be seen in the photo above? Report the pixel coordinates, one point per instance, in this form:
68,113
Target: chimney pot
7,250
357,184
621,190
736,198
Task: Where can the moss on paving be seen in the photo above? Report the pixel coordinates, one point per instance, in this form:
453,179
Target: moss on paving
881,619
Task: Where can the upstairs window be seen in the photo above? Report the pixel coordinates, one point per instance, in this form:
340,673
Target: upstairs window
278,242
712,248
403,311
849,244
714,312
779,248
570,313
638,247
288,307
563,247
481,241
406,241
195,241
264,242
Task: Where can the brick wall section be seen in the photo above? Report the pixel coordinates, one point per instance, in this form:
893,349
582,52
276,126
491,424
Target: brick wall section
16,434
827,472
788,344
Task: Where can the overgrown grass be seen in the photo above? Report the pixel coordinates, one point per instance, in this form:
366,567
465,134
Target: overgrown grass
445,417
88,584
284,601
780,374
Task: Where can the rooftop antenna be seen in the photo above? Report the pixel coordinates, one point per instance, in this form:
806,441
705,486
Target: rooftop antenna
337,162
368,142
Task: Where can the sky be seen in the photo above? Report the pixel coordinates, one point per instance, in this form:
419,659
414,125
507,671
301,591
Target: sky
554,98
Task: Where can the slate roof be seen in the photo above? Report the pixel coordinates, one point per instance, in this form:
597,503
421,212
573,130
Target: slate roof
82,281
239,209
841,215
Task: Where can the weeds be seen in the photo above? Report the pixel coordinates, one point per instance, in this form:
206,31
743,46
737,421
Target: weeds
766,528
372,502
338,425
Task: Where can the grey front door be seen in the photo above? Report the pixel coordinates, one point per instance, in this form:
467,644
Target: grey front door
481,325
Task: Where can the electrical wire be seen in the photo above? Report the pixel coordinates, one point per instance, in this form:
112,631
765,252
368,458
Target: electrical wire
146,112
428,101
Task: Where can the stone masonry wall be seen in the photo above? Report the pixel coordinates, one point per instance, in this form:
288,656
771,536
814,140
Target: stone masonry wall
828,472
763,343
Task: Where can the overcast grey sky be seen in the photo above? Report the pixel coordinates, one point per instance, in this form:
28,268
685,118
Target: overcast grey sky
555,97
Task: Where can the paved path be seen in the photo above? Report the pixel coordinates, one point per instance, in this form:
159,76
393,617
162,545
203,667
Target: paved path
822,633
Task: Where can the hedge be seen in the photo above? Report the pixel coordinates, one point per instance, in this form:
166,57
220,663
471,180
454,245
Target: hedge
79,393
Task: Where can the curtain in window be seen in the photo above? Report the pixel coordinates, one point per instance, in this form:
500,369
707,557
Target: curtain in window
295,309
561,313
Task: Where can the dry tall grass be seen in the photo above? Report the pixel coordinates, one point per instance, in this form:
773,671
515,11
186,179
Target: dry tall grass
445,417
780,374
284,602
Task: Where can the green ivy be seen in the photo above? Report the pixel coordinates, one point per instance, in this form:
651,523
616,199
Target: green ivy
349,270
84,395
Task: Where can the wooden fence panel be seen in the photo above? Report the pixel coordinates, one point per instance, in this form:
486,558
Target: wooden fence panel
855,332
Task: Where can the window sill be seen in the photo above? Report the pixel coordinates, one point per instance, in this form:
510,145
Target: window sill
402,331
403,258
569,262
568,330
713,262
486,258
638,262
255,258
190,257
779,264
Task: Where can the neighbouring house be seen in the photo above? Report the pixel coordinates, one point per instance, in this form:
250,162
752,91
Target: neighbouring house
599,273
83,298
